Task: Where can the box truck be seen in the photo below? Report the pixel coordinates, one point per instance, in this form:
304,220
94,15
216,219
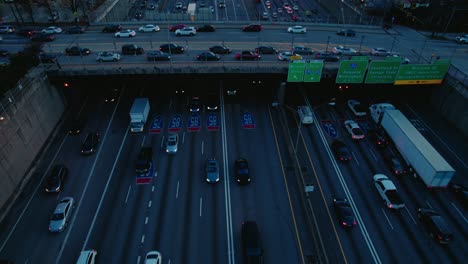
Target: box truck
139,114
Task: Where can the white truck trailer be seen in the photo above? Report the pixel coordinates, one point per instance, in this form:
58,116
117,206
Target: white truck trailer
424,161
139,114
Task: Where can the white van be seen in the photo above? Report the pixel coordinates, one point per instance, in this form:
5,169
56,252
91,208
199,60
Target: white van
305,114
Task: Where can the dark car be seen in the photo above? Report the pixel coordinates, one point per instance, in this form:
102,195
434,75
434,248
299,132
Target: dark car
26,32
139,15
157,55
346,32
266,50
251,244
132,49
212,101
42,37
90,143
4,53
176,27
47,58
77,51
220,49
394,164
112,94
344,212
436,226
252,28
241,167
194,105
340,150
327,56
460,192
76,126
144,160
112,28
378,137
247,55
208,56
54,182
171,48
301,50
206,28
75,30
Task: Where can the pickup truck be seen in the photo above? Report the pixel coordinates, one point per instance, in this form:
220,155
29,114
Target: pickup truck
388,191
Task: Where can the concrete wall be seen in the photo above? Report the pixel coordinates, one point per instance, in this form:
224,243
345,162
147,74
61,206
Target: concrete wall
32,111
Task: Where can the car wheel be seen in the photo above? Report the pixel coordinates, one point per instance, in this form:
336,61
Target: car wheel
118,36
178,34
191,34
100,60
112,60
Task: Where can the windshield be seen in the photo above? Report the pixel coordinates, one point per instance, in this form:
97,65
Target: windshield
59,216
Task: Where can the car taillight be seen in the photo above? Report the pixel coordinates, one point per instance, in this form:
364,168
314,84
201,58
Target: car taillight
439,237
397,172
354,223
390,206
344,223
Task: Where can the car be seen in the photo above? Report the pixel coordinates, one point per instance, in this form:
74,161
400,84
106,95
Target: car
90,143
26,32
149,28
387,191
346,32
52,30
172,144
75,30
286,56
380,52
151,7
404,60
87,257
327,56
274,15
251,245
157,55
341,150
42,37
341,50
286,6
241,167
138,15
462,39
212,170
265,50
47,57
279,10
111,95
6,29
247,55
220,49
353,129
297,29
144,160
212,101
186,31
231,91
436,225
301,50
221,5
112,28
265,16
153,257
194,105
126,33
4,53
77,51
394,164
208,56
54,16
132,49
460,192
179,5
206,28
356,107
171,48
289,11
76,126
107,56
268,4
176,27
295,7
378,137
344,212
54,182
252,28
62,215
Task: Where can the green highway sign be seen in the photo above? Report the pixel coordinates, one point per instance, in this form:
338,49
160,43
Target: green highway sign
383,71
296,71
361,58
421,73
351,71
313,71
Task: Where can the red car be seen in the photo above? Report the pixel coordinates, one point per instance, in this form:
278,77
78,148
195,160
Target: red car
247,55
176,27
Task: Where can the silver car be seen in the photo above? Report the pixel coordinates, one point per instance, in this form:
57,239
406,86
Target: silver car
172,143
108,56
61,215
212,171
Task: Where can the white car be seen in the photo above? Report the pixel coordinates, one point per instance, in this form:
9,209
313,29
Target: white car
380,52
186,31
52,30
127,33
295,8
286,56
297,29
108,56
172,143
87,257
341,50
353,129
153,257
462,39
404,60
357,108
149,28
388,191
179,5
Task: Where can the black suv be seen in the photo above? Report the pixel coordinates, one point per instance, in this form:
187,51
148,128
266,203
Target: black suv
378,137
90,143
144,160
54,182
251,245
394,164
340,150
242,171
266,50
112,28
435,225
171,48
132,49
252,28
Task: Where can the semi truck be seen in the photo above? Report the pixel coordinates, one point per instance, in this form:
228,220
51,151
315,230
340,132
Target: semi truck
421,157
139,114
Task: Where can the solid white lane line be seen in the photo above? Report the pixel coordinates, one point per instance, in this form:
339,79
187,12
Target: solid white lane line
149,204
202,146
414,221
162,141
355,158
388,220
373,155
146,220
177,190
138,259
201,205
460,213
428,204
142,239
128,193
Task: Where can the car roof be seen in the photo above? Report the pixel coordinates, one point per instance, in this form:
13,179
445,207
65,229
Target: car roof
62,205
